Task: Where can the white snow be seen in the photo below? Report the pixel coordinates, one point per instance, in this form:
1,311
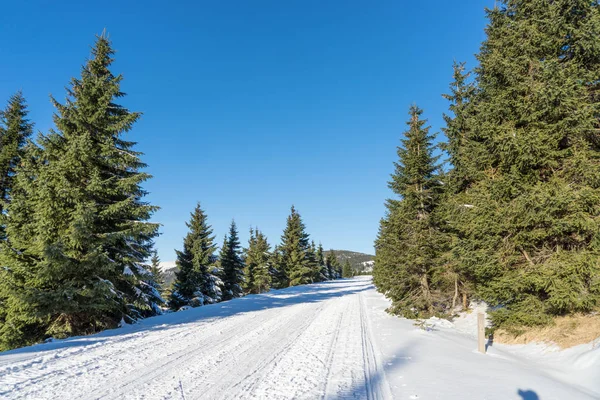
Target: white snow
166,265
328,340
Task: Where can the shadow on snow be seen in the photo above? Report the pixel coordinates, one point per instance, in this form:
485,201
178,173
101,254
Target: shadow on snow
311,293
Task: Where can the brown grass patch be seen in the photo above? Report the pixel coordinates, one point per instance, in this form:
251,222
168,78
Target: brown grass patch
565,332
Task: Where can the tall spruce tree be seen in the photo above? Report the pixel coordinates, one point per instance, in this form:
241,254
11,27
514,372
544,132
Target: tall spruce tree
257,265
295,251
15,130
77,227
232,265
528,221
196,282
410,242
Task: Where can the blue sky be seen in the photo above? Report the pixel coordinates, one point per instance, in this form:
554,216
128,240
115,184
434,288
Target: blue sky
252,106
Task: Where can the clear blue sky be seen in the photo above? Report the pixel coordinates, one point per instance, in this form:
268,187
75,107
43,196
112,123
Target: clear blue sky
252,106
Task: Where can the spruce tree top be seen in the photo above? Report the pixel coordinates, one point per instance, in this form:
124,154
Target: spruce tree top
414,178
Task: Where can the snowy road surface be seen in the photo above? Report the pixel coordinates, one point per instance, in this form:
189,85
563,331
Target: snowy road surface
328,340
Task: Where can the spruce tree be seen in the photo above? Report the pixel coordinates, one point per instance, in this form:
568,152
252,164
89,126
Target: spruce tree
323,270
332,264
295,251
528,221
347,271
196,283
15,130
78,229
313,263
232,265
409,245
277,270
155,269
257,270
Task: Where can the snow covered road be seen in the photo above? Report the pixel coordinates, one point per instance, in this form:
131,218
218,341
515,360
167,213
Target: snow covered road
328,340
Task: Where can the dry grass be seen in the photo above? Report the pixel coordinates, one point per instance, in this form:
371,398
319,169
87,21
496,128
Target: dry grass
565,332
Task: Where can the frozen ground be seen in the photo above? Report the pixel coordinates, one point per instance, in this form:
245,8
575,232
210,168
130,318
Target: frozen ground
328,340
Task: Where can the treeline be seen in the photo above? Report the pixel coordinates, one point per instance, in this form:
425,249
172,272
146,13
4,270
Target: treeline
514,219
205,278
75,236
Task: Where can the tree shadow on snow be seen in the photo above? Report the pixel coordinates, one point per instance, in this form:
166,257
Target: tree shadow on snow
288,297
528,395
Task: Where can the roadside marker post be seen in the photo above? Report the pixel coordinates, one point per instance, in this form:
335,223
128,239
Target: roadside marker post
481,333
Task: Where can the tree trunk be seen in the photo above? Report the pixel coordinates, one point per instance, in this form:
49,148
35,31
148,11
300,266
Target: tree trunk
426,293
455,292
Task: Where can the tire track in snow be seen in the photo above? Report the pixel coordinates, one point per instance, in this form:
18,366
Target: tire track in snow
376,382
206,349
264,371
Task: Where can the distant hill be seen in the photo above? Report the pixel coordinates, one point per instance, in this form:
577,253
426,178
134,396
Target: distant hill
360,262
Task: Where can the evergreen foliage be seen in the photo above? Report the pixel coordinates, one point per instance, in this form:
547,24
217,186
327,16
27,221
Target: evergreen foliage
277,270
257,264
323,270
410,242
232,265
528,218
156,271
520,202
196,283
15,130
296,257
332,265
77,227
347,270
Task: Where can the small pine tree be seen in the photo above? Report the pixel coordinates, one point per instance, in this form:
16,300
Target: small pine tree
347,271
232,265
195,282
323,270
332,265
257,270
295,251
155,269
277,270
311,257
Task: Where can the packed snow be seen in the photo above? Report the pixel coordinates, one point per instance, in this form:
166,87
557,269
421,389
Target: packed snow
328,340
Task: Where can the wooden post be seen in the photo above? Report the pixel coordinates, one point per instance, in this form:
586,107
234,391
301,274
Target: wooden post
481,333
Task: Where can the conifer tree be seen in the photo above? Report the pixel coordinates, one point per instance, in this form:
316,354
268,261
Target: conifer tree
528,221
257,270
155,269
196,283
332,265
313,263
77,227
323,271
277,270
232,265
410,242
295,251
347,271
15,130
